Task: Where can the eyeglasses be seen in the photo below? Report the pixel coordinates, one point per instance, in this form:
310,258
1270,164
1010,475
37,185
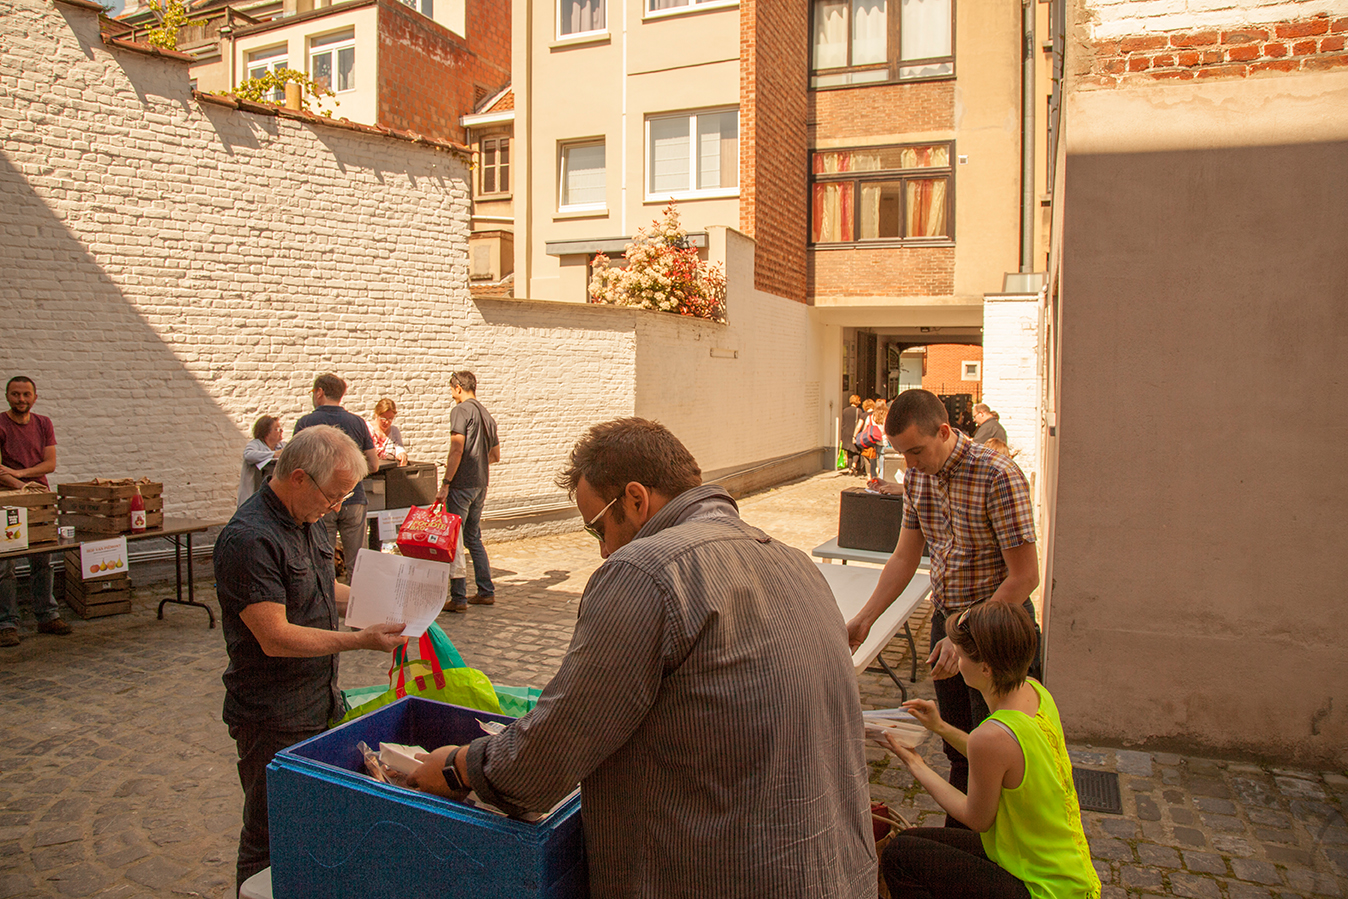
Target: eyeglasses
332,503
962,624
590,525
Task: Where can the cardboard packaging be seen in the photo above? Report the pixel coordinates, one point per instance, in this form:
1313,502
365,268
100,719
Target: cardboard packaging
15,521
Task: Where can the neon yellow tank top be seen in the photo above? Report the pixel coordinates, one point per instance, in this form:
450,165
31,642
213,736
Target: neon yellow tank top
1037,833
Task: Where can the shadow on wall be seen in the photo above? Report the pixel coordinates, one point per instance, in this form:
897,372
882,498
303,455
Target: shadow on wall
122,402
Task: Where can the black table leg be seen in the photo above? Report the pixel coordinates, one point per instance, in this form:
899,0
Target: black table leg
191,580
903,691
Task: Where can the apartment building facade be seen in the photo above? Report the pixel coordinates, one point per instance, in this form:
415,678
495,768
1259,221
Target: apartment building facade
415,66
878,152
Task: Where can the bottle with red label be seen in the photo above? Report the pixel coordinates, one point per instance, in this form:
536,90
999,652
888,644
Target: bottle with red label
137,513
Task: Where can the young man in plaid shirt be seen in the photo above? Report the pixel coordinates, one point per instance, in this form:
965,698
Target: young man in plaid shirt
970,507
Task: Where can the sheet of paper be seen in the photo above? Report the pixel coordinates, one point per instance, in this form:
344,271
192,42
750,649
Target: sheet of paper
389,588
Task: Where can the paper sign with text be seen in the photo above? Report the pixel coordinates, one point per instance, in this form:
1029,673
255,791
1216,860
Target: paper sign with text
103,558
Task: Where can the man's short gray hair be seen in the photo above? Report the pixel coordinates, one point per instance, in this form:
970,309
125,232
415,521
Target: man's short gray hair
321,451
981,407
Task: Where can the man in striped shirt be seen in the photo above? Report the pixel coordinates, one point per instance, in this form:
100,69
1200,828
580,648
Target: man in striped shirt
970,507
707,704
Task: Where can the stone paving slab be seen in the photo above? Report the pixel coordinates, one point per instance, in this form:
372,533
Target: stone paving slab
117,777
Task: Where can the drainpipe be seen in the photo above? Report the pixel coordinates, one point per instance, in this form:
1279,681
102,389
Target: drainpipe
1027,140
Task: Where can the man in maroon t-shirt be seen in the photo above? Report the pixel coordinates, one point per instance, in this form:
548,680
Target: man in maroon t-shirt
27,455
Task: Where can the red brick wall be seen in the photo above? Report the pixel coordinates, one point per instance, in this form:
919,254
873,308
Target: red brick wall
883,271
429,76
862,112
1310,44
944,374
774,104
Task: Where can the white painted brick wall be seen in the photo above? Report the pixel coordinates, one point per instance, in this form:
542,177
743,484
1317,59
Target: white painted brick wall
1011,381
173,270
1110,19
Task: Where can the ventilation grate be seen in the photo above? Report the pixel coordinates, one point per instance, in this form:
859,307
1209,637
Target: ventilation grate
1098,791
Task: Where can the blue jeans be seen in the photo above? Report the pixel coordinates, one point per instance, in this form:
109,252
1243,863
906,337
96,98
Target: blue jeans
467,502
39,586
350,521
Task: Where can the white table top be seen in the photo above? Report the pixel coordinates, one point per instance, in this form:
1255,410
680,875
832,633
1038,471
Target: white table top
852,585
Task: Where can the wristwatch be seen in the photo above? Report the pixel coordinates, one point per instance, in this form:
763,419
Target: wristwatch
451,774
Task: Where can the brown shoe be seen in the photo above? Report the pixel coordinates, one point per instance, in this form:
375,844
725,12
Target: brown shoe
457,607
483,599
9,636
55,626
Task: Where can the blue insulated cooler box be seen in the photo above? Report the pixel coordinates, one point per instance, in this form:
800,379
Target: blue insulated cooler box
336,832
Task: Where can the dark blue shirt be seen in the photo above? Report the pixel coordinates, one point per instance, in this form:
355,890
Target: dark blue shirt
265,555
355,428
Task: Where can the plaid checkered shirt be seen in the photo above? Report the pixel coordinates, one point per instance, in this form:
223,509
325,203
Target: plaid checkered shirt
977,505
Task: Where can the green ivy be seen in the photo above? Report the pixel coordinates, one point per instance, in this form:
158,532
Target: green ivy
259,90
172,17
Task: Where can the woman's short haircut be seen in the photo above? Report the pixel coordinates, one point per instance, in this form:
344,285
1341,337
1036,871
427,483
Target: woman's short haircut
262,427
868,405
385,406
321,451
614,454
916,407
1000,635
854,400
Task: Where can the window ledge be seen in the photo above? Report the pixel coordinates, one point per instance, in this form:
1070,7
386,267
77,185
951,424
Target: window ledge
593,212
581,40
689,197
886,83
909,244
656,15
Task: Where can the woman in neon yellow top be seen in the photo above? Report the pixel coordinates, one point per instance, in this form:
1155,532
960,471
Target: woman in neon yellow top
1028,842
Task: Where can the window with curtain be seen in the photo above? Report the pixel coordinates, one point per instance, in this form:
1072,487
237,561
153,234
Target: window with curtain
876,41
582,178
260,62
890,194
332,61
658,6
693,154
494,161
579,17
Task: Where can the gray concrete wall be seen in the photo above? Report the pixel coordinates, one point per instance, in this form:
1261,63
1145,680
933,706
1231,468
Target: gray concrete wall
1198,564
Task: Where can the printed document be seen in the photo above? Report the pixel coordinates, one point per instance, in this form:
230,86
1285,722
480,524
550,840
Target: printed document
389,588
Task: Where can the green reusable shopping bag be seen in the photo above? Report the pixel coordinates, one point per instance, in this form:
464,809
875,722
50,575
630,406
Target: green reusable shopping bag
842,457
517,701
439,674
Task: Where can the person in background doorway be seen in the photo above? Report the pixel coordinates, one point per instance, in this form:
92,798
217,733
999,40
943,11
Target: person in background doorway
847,432
350,518
27,456
388,440
989,424
259,454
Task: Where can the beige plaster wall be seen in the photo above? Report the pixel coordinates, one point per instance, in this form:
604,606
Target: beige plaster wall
358,105
1197,569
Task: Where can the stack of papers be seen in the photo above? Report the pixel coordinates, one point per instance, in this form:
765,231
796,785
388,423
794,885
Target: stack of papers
894,722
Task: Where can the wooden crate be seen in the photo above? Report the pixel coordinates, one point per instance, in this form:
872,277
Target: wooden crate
41,513
106,508
96,597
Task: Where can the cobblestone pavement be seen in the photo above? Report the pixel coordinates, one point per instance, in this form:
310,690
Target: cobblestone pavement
117,777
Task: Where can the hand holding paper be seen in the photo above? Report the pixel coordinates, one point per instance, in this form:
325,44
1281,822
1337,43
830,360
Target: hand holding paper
389,588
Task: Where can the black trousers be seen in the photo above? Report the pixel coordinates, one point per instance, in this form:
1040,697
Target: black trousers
257,746
963,706
940,862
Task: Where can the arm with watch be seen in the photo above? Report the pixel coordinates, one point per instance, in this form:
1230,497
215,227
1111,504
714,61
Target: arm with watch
456,442
443,772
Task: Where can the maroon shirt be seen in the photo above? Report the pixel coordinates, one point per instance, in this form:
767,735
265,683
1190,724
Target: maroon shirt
23,446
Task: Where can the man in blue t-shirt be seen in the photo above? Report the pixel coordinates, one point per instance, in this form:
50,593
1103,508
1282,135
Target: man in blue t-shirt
473,446
350,519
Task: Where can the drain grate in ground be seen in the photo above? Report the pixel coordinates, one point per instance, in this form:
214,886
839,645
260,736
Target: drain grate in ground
1098,791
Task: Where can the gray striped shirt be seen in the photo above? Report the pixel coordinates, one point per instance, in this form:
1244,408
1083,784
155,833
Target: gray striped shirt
708,708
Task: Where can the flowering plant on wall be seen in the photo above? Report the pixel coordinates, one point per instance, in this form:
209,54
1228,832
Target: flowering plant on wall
663,272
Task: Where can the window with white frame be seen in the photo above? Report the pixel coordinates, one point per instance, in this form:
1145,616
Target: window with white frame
426,7
494,161
972,371
332,61
693,154
581,181
273,59
873,41
659,6
576,17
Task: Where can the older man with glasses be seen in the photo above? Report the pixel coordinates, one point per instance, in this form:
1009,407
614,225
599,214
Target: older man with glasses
279,604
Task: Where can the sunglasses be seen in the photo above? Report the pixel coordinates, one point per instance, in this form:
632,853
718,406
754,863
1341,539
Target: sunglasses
590,526
961,624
